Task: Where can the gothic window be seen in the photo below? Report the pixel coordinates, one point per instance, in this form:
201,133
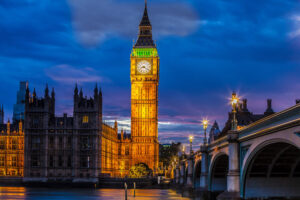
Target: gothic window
51,161
2,144
61,142
36,142
69,142
60,161
119,151
83,162
2,161
35,122
14,161
127,165
127,150
35,161
69,163
51,142
85,143
85,119
14,144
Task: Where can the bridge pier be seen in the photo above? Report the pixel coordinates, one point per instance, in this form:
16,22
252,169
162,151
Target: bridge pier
204,168
182,163
233,176
190,173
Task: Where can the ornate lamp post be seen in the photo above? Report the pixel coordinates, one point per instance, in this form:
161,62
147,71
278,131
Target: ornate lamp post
205,124
191,142
234,103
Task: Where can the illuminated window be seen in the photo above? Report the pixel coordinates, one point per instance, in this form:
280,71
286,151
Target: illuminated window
127,150
2,161
14,161
85,119
126,164
14,144
2,144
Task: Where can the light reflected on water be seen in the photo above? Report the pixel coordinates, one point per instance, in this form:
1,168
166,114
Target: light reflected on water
20,193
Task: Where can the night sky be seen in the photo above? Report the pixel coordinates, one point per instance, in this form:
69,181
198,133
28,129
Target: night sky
207,50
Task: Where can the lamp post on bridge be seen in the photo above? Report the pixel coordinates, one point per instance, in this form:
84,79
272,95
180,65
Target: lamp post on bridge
233,176
234,103
191,143
205,124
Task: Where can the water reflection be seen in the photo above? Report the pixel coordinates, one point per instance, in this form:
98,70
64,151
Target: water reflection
12,193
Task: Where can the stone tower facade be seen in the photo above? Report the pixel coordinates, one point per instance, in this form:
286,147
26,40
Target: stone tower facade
62,148
144,73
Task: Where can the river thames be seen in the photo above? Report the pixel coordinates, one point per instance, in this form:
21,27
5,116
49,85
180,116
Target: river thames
12,193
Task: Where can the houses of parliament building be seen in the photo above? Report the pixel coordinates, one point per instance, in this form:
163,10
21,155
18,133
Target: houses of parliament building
81,148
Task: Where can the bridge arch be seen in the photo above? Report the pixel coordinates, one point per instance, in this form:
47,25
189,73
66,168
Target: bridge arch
271,169
197,174
218,171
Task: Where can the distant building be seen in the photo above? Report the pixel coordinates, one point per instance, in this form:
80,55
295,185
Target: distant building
214,132
1,115
245,117
19,107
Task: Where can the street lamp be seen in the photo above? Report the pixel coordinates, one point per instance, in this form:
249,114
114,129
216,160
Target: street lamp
205,124
191,142
234,102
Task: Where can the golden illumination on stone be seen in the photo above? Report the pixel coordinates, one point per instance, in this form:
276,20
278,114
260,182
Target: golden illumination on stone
12,151
144,98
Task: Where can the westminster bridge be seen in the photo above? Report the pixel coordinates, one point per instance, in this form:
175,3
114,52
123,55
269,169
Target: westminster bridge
261,160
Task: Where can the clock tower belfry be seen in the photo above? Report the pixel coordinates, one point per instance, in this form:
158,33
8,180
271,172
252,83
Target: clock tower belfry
144,75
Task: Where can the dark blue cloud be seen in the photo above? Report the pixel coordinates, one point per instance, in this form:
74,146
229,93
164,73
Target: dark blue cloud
207,49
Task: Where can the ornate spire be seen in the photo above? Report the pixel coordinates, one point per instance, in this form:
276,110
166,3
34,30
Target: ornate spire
145,20
76,90
47,91
96,91
34,93
145,31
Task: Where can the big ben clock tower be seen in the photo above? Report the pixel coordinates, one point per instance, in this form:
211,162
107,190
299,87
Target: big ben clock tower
144,74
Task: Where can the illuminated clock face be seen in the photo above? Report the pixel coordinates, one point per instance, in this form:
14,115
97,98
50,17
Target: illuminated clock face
144,67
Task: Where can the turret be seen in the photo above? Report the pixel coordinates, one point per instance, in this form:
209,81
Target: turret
96,92
214,132
34,94
269,110
116,126
245,107
8,127
46,91
20,126
122,135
